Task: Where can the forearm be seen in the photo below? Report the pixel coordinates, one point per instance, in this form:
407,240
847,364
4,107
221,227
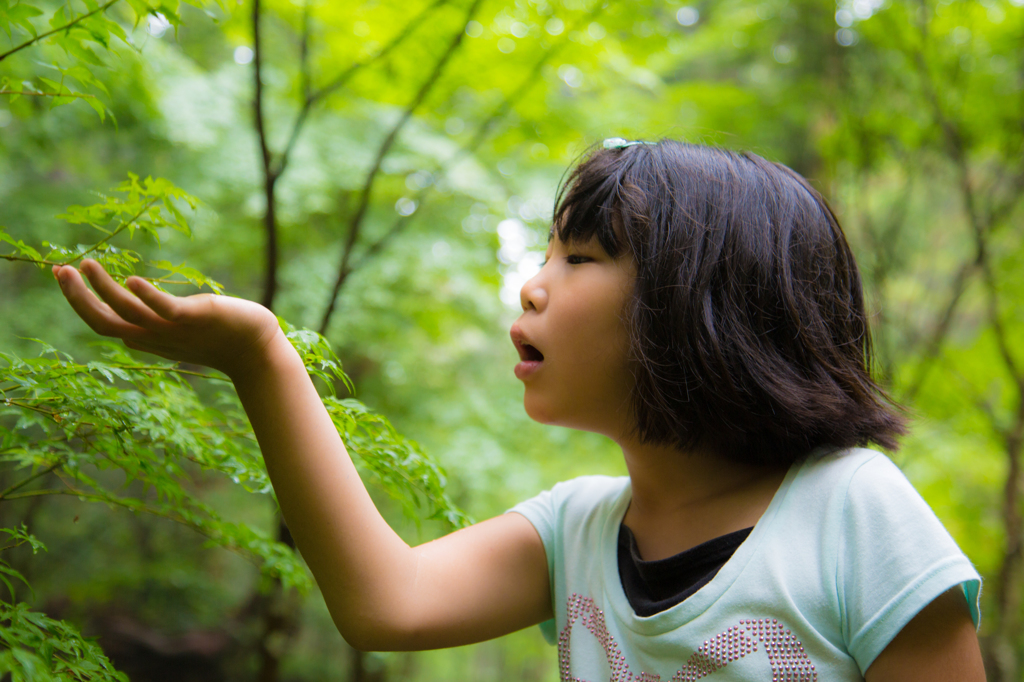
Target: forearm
361,565
481,582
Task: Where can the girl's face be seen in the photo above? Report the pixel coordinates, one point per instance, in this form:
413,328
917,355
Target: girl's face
572,339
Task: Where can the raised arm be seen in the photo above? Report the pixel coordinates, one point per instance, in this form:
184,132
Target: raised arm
475,584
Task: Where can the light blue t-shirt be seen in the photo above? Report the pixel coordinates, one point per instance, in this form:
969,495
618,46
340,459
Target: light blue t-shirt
846,554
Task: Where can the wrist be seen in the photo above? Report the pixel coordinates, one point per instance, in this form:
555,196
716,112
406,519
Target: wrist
275,354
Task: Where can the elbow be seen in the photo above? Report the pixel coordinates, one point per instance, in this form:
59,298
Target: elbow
362,640
376,633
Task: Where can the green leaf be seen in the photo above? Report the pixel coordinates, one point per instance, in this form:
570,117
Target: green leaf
19,536
23,249
85,77
78,49
20,15
36,648
55,87
58,19
97,107
191,274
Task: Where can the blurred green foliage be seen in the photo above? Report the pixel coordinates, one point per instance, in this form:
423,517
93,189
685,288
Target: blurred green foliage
416,147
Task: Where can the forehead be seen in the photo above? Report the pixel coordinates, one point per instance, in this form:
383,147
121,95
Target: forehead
555,241
591,240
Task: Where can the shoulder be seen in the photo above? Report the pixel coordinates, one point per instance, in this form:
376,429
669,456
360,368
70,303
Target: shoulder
576,496
843,482
572,506
866,484
892,555
863,500
840,466
594,487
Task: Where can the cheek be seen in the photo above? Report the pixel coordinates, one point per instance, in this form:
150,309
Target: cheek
589,382
599,339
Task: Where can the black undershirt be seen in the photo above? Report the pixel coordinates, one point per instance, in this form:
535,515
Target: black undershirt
655,586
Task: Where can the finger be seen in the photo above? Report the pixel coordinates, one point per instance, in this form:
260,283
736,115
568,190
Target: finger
100,317
130,308
163,304
135,344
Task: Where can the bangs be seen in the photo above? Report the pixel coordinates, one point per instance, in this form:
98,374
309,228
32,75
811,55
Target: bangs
591,201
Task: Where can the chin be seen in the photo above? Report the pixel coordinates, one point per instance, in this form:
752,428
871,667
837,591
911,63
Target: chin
550,415
537,411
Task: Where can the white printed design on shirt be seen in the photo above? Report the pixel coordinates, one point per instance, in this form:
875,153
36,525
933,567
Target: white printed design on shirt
786,656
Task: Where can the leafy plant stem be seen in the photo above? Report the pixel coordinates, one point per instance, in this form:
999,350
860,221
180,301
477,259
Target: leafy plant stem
27,406
30,260
121,228
28,93
481,133
27,43
355,224
39,474
313,97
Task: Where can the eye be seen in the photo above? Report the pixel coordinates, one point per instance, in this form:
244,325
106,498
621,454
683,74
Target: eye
576,259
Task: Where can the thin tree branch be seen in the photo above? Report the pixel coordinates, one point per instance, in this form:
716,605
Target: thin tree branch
22,259
1008,584
272,170
995,319
883,239
269,175
314,97
980,228
43,261
1001,211
1007,588
414,23
954,144
173,370
121,228
136,506
25,406
481,133
37,261
938,335
101,8
304,75
39,474
28,93
355,224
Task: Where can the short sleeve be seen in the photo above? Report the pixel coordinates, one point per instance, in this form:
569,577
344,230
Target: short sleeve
560,515
540,511
895,558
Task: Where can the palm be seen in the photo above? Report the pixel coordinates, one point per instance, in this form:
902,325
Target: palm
205,329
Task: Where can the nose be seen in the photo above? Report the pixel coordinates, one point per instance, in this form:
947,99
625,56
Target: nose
534,294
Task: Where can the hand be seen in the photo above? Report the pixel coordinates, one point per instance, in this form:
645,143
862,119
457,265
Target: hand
205,329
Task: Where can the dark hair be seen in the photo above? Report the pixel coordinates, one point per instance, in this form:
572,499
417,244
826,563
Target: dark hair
748,332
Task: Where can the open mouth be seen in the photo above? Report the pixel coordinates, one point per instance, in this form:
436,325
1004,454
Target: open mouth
528,353
530,358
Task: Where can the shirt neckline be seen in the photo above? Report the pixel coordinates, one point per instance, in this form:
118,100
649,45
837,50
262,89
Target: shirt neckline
706,596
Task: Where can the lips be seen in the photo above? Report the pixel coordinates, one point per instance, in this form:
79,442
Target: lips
531,358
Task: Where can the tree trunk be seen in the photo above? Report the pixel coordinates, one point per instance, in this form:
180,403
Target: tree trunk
279,615
1003,643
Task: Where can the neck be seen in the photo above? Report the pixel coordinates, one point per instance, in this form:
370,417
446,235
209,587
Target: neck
680,498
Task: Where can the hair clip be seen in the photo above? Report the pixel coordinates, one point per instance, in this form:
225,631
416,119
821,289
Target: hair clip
620,143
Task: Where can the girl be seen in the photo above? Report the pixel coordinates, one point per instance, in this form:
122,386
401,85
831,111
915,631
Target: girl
701,308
